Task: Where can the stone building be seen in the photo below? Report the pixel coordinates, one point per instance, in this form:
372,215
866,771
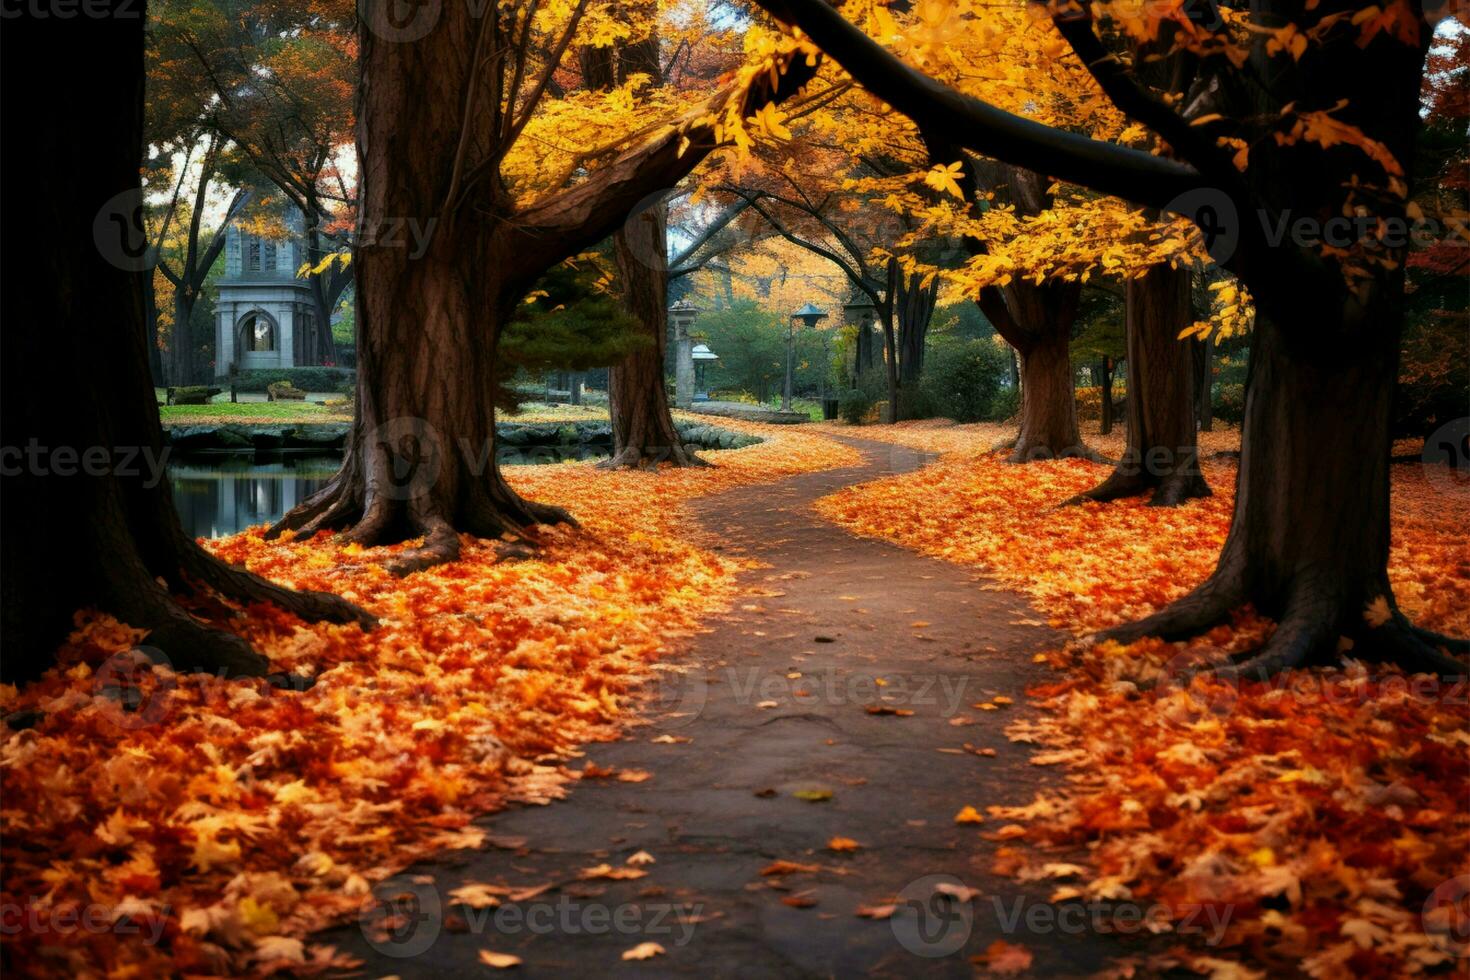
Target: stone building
265,316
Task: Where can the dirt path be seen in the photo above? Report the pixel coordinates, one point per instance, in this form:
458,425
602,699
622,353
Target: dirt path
789,694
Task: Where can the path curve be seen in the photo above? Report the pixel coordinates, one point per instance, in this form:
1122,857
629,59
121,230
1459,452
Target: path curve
853,628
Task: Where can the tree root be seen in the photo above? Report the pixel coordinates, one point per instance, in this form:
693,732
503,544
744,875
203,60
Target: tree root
1035,453
1178,487
1401,642
1196,612
1452,644
1168,491
241,585
1302,637
637,458
441,545
1118,486
137,599
1306,634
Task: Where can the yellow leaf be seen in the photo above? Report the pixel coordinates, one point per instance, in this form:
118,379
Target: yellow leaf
643,951
1377,612
499,961
969,815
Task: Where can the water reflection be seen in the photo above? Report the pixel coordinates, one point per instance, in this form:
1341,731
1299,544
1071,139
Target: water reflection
220,495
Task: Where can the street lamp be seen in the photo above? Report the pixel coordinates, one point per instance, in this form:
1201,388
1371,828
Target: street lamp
808,315
859,311
701,355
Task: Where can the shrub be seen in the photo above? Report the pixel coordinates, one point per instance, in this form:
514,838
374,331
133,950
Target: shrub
961,379
1228,402
193,395
285,391
853,405
305,378
1005,405
1089,402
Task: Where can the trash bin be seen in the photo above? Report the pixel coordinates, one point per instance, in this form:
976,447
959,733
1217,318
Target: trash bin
829,409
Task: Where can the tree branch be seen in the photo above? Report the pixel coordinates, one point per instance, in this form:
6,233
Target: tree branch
982,127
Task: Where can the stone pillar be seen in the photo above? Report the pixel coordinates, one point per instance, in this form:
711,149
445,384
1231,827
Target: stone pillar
286,342
682,316
224,348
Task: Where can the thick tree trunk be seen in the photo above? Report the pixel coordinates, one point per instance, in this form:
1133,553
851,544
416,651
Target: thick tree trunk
421,461
1105,390
643,429
1162,454
421,458
1309,538
1048,400
88,519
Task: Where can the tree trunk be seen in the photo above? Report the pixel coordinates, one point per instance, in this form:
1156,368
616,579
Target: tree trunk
421,457
643,429
863,354
1162,454
1203,351
915,305
890,345
181,339
1048,401
88,518
1301,549
1105,390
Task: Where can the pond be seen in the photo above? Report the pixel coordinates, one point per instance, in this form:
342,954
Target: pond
219,494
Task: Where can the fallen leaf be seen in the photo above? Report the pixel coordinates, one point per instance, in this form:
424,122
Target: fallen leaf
644,951
499,961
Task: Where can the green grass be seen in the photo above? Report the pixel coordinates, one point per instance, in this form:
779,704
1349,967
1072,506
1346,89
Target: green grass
253,412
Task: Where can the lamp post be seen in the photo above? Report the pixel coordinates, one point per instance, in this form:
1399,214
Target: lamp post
859,311
682,316
808,315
